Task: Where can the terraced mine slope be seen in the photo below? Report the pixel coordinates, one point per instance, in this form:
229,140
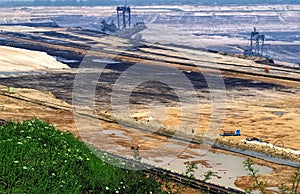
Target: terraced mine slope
261,104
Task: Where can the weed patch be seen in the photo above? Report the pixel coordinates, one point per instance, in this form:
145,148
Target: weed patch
38,158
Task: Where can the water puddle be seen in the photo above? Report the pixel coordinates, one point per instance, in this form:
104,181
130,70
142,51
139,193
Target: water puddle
166,73
149,138
16,74
64,60
278,113
272,107
117,134
105,61
227,167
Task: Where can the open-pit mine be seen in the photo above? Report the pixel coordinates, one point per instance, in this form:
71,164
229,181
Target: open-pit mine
178,102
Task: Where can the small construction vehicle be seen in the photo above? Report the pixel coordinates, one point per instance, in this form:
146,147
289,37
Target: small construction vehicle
231,133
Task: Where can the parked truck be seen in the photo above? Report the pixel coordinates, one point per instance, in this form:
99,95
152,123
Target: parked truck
231,133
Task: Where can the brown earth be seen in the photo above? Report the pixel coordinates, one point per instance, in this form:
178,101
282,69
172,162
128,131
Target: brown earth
27,104
281,175
270,114
24,104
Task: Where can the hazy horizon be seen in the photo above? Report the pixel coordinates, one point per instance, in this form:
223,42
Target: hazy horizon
138,2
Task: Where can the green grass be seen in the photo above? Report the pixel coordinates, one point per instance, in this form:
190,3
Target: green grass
37,158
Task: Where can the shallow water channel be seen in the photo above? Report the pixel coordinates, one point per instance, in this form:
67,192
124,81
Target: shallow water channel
228,167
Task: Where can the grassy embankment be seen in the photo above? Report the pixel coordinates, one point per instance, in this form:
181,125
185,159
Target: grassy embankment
37,158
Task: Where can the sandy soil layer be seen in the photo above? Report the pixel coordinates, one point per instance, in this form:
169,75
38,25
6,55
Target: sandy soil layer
257,105
21,60
270,116
261,107
38,105
25,104
19,109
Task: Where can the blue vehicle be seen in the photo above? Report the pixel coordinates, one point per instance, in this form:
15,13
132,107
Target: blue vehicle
231,133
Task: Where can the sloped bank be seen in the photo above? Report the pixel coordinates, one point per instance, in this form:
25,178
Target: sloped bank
40,159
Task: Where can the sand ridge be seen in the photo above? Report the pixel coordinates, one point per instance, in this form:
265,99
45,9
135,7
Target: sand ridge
16,59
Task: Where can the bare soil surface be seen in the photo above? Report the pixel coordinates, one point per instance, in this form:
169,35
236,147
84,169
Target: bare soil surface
24,104
21,60
262,105
252,113
28,103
